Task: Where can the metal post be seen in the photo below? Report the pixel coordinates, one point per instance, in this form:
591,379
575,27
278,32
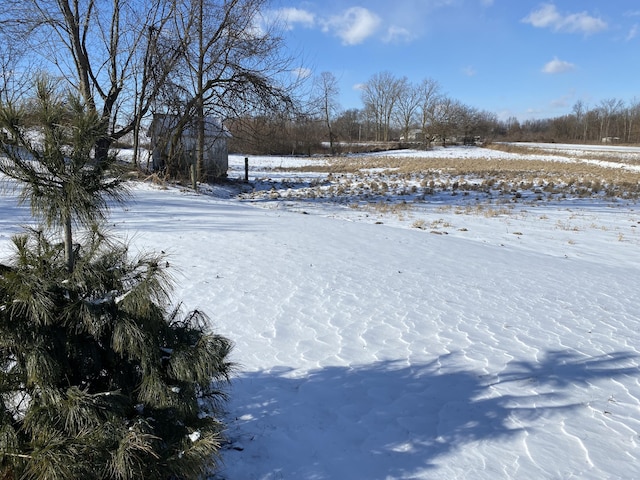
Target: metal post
246,169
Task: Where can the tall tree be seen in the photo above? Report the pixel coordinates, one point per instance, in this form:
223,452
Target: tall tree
380,95
325,102
447,118
231,65
487,125
122,56
428,93
609,108
349,125
579,114
97,46
408,103
632,121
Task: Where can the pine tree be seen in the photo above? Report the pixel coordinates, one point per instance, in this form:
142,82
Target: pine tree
48,149
99,376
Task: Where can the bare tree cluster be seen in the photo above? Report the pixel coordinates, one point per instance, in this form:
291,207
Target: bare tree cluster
395,111
126,60
420,112
380,96
609,121
285,134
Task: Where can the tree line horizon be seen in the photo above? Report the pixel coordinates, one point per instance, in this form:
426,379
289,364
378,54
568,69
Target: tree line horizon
400,113
198,58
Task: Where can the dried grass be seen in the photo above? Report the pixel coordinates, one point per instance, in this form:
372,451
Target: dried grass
525,172
390,185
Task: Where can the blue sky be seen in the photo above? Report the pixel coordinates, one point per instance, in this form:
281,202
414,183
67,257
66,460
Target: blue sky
519,58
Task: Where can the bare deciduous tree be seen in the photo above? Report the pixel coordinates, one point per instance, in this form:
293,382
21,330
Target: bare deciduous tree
123,56
428,94
230,65
579,113
608,109
632,116
97,46
408,104
379,96
325,101
349,125
446,118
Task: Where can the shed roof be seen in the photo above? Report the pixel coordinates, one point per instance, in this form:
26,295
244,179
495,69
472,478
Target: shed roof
165,122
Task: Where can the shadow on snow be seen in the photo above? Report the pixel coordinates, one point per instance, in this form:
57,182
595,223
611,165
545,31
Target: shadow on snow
394,420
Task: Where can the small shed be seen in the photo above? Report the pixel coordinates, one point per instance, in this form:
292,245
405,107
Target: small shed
414,135
216,155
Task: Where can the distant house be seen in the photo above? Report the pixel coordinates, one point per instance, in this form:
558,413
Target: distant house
216,156
414,135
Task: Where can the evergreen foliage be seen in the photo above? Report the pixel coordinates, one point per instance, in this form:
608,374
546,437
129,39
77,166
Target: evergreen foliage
47,146
99,376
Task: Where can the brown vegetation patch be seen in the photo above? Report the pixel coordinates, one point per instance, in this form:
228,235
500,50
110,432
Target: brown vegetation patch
496,181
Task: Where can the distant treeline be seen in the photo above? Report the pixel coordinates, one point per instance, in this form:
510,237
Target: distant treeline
610,121
398,113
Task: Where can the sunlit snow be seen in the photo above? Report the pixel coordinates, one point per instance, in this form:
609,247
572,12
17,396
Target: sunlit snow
485,346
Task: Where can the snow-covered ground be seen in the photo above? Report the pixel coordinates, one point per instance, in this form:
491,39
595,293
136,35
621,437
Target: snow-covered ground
604,147
442,341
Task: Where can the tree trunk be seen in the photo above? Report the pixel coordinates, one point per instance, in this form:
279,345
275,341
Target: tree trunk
68,243
102,148
200,173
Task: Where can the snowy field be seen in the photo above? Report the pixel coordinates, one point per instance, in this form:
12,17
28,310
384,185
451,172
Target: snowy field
403,335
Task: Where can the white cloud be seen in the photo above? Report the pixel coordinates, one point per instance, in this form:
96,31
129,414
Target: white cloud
296,16
558,66
486,3
285,18
582,22
353,26
548,16
397,34
633,33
